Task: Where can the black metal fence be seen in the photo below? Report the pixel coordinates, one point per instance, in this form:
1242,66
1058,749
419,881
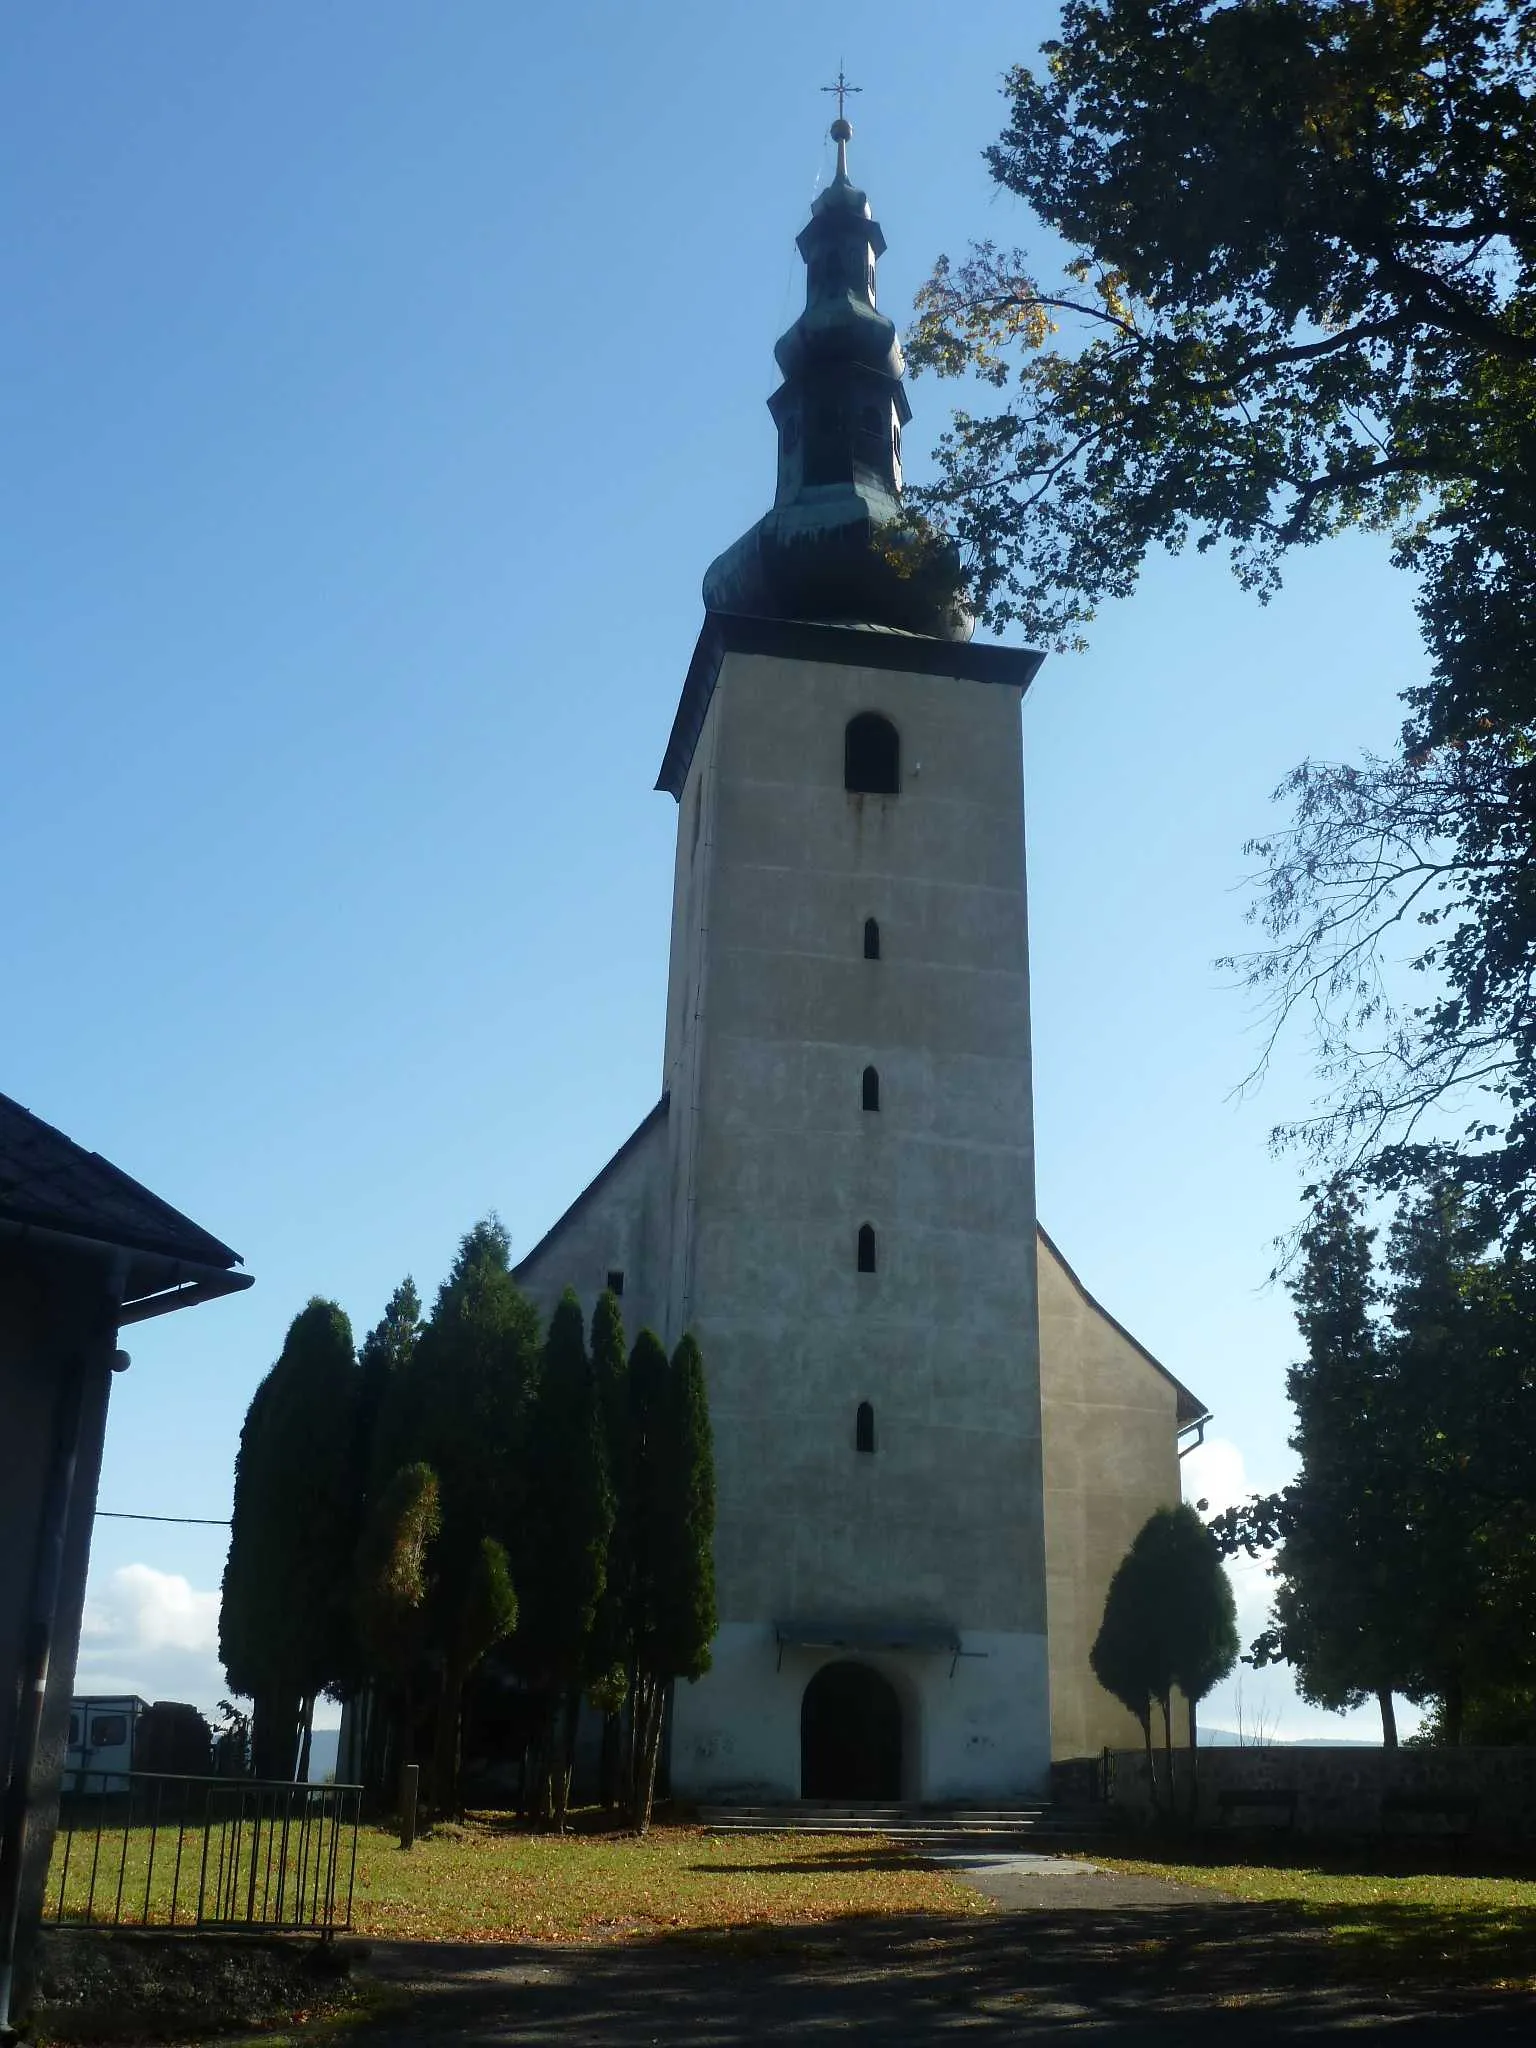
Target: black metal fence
140,1850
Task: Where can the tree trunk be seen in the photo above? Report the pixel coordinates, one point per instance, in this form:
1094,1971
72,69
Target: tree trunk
572,1721
306,1729
445,1747
404,1751
608,1765
1388,1718
655,1714
1173,1797
274,1734
629,1772
1454,1701
1194,1766
1146,1730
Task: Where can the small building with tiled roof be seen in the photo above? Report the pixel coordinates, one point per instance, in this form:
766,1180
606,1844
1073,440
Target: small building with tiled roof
84,1250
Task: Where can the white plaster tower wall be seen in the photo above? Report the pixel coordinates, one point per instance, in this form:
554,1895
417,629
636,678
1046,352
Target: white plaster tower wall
773,1015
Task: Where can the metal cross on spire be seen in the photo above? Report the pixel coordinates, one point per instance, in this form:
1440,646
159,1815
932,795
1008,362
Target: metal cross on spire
842,89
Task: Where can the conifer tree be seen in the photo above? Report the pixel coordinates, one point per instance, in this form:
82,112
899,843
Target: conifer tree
460,1406
1200,1616
1463,1355
641,1509
570,1516
403,1521
607,1677
685,1620
671,1524
1344,1607
285,1629
384,1356
474,1607
1124,1654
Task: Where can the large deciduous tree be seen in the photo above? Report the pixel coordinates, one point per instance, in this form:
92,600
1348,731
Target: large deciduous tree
1301,297
285,1621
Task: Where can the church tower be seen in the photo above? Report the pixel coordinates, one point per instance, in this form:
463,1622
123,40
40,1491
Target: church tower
850,1187
835,1191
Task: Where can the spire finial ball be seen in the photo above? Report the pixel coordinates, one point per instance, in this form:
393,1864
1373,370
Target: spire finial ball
842,131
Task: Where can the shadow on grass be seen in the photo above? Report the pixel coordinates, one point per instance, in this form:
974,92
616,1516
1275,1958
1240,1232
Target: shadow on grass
579,1820
1281,1849
1148,1977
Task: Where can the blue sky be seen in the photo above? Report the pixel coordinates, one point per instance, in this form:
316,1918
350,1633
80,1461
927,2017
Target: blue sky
380,381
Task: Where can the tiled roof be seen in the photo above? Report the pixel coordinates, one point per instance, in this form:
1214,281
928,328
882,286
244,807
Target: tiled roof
48,1180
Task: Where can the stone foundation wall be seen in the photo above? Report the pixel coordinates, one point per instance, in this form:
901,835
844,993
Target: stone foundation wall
1488,1795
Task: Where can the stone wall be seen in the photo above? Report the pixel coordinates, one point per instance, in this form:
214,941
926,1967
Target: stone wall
1484,1794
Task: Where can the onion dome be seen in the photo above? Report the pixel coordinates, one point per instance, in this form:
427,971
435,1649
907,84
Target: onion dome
838,545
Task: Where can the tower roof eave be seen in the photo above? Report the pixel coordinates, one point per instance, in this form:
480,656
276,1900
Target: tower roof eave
847,646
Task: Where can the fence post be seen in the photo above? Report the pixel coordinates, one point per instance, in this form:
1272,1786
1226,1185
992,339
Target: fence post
410,1782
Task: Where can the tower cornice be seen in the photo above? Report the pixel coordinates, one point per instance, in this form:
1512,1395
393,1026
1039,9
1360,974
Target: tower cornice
726,633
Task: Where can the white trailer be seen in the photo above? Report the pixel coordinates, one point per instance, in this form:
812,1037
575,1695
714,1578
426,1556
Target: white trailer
103,1728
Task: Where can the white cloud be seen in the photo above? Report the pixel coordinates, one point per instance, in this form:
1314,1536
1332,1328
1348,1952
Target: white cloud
1216,1473
156,1634
152,1633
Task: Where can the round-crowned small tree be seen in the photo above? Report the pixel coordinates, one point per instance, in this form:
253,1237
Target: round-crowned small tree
1169,1622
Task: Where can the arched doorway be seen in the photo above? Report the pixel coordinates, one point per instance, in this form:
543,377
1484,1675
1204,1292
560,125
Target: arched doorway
850,1735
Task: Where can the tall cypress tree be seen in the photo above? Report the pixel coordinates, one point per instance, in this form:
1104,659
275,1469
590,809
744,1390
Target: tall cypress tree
402,1523
685,1620
640,1511
460,1406
383,1357
286,1615
570,1521
607,1677
670,1525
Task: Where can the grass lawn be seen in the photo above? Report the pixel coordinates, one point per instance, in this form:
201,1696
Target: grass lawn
481,1881
1427,1918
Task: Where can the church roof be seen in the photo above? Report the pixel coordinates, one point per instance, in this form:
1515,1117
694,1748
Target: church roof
1190,1409
837,543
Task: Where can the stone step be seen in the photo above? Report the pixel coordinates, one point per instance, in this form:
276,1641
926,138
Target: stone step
826,1816
907,1823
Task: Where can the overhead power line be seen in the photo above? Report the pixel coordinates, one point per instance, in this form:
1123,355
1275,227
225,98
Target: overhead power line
202,1521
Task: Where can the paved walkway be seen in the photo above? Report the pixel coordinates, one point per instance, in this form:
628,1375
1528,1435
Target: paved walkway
1070,1951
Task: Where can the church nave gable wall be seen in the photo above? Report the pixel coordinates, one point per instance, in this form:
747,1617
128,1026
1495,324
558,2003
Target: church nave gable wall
1110,1417
616,1224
